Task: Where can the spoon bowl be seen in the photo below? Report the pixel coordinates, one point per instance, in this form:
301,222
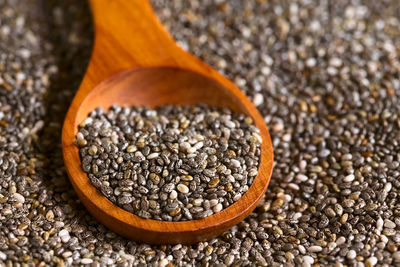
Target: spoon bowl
124,72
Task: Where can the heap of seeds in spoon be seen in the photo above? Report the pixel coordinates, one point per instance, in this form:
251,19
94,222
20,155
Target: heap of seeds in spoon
173,163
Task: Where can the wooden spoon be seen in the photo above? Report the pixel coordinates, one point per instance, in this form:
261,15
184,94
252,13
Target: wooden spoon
135,62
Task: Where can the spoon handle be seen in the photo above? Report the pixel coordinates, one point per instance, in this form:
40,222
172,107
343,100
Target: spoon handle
128,35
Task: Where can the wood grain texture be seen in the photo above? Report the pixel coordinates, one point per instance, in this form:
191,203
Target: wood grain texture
135,62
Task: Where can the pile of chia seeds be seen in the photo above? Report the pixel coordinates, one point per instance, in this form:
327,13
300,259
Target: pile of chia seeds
325,76
172,163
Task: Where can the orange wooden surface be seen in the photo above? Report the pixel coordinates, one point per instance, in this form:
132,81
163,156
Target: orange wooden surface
135,62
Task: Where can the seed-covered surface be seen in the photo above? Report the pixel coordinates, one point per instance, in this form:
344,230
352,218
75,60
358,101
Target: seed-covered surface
172,163
324,74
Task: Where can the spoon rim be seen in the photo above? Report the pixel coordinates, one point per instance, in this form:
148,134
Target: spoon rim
83,185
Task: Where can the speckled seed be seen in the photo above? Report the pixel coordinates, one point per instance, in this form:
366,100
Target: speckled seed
92,150
213,183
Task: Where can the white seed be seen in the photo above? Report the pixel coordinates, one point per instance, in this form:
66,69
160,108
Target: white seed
301,177
184,145
59,224
231,179
303,164
114,139
389,224
332,71
64,235
237,197
258,99
308,259
384,238
183,188
293,186
379,224
302,249
286,137
349,178
253,172
296,216
173,194
266,70
371,261
351,254
88,121
340,240
331,246
67,254
19,198
86,261
235,163
79,135
336,62
213,202
311,62
177,247
230,124
314,249
258,137
278,127
346,157
388,187
218,208
164,262
191,150
127,257
138,154
153,155
199,145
